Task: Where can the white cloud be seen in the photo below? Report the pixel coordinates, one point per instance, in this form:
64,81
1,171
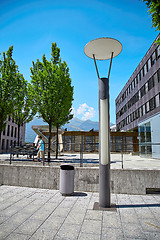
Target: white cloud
86,111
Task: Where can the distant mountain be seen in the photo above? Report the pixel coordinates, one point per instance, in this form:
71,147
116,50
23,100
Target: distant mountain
78,125
74,125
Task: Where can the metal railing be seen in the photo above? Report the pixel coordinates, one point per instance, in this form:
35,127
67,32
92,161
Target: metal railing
147,150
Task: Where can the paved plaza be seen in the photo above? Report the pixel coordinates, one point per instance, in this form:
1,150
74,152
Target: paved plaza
92,160
41,214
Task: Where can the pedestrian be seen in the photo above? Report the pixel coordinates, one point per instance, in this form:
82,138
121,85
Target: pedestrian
40,149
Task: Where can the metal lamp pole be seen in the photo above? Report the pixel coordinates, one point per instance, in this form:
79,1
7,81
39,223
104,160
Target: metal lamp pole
102,49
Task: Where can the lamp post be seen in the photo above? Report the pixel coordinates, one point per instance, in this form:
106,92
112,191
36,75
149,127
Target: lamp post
103,49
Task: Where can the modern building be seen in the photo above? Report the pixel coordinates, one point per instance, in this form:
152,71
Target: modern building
138,104
9,136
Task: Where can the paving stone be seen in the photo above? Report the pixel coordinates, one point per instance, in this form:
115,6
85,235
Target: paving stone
52,223
94,215
17,236
37,215
61,212
86,236
111,219
132,230
112,234
28,227
43,234
91,226
68,231
75,218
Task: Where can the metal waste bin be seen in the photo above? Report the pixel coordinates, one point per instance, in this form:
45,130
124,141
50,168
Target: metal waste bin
66,180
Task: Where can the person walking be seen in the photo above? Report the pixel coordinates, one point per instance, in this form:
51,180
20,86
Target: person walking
40,149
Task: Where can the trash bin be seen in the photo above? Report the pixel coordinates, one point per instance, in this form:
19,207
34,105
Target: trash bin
66,180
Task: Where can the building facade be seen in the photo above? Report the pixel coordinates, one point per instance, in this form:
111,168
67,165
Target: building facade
138,104
9,136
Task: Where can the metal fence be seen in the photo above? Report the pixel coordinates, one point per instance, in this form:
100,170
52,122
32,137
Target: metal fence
147,150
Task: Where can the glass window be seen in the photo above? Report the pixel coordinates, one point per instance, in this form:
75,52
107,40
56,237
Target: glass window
147,107
4,132
149,64
142,133
157,100
152,104
153,58
12,131
158,51
150,83
142,74
148,132
144,110
8,130
3,143
7,145
15,132
139,77
143,91
145,68
146,87
155,77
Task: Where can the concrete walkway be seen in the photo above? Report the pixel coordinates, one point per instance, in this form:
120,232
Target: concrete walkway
92,159
38,214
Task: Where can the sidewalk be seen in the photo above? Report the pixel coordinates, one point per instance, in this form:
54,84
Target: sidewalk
40,214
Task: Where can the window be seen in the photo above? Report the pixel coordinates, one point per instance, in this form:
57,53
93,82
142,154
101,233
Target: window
147,107
7,145
149,64
145,68
142,73
8,130
9,118
152,104
150,83
146,87
12,131
140,112
155,77
139,77
158,52
144,110
15,132
136,80
4,132
153,58
142,90
157,100
3,143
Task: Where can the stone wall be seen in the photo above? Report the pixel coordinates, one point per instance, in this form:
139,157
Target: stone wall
86,179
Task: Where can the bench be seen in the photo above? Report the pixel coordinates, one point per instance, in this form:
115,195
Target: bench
27,149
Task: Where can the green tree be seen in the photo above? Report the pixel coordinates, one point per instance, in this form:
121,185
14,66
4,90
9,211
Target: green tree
154,11
52,90
24,108
8,69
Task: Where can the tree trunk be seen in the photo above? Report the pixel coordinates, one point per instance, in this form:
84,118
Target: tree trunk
49,142
18,134
57,143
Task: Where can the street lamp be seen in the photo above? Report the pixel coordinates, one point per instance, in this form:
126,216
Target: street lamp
103,49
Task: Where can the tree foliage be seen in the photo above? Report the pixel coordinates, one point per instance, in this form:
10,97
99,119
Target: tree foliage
24,108
8,69
52,90
154,11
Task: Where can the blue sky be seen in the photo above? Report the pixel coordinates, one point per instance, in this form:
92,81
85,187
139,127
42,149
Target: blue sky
31,27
